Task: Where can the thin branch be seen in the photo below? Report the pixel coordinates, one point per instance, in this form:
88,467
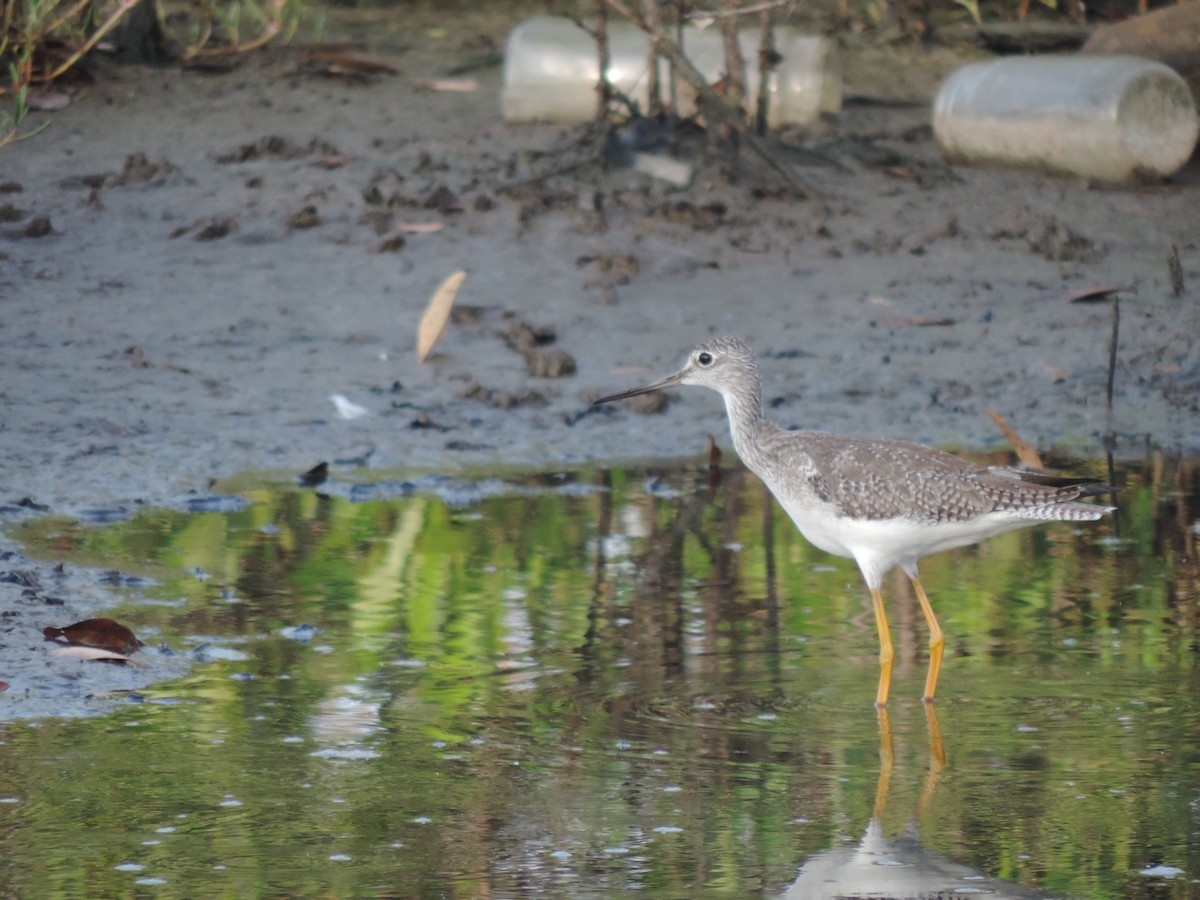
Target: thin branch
703,15
122,8
718,109
735,66
654,22
61,20
603,87
767,60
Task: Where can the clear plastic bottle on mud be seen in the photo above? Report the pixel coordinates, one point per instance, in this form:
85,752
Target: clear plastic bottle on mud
551,70
1111,118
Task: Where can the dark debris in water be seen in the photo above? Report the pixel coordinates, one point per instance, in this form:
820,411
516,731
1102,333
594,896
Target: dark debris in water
21,577
215,503
105,515
315,476
453,491
114,577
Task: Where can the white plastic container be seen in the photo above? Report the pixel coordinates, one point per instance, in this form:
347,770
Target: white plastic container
1111,118
551,70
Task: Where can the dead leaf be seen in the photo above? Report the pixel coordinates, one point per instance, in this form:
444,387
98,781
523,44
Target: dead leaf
1025,452
347,63
419,227
1098,294
105,634
919,322
433,323
460,85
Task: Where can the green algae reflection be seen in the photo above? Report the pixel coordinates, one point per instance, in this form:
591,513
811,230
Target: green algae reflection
615,682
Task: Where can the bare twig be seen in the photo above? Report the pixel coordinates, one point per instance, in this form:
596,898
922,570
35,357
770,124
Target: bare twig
70,13
603,88
122,8
767,59
735,66
703,15
653,22
717,109
1112,352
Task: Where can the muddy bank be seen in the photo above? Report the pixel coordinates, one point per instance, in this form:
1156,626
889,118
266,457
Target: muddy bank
193,263
224,251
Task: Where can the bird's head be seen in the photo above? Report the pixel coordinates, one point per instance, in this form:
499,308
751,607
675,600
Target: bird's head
722,364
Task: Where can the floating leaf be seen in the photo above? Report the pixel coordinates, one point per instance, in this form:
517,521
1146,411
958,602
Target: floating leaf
433,323
105,634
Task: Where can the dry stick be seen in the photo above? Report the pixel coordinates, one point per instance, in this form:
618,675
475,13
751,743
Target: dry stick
603,88
767,59
123,7
735,66
1112,353
735,78
672,77
653,21
709,14
715,107
1110,437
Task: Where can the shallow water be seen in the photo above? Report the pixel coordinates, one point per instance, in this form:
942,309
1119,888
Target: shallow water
615,681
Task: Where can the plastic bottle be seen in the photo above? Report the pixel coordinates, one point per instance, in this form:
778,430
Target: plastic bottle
1111,118
551,70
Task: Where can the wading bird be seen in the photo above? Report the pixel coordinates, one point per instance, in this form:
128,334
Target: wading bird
882,502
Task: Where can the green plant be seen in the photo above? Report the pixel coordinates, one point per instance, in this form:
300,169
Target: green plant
41,40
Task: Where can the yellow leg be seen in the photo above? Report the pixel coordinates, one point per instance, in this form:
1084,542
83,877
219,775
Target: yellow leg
885,649
937,641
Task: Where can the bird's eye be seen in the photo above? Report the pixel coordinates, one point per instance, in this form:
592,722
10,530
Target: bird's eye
705,358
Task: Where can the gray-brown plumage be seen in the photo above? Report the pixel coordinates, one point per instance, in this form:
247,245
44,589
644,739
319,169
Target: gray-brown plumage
885,503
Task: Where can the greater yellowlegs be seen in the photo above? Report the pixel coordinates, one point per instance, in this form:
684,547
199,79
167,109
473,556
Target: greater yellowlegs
882,502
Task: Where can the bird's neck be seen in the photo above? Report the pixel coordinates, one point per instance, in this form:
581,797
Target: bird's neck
745,420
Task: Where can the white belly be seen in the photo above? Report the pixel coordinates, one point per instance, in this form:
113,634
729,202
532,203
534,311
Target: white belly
880,544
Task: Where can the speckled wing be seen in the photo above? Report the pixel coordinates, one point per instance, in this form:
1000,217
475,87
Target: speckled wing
874,479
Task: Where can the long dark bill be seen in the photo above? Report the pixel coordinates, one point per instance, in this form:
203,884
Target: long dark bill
669,381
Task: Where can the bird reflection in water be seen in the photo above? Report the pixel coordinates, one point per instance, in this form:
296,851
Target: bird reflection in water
899,868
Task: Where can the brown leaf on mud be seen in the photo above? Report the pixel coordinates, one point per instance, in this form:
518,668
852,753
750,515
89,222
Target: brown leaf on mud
104,634
38,227
459,85
920,322
343,63
1024,450
306,217
419,227
433,323
1097,294
391,244
3,686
